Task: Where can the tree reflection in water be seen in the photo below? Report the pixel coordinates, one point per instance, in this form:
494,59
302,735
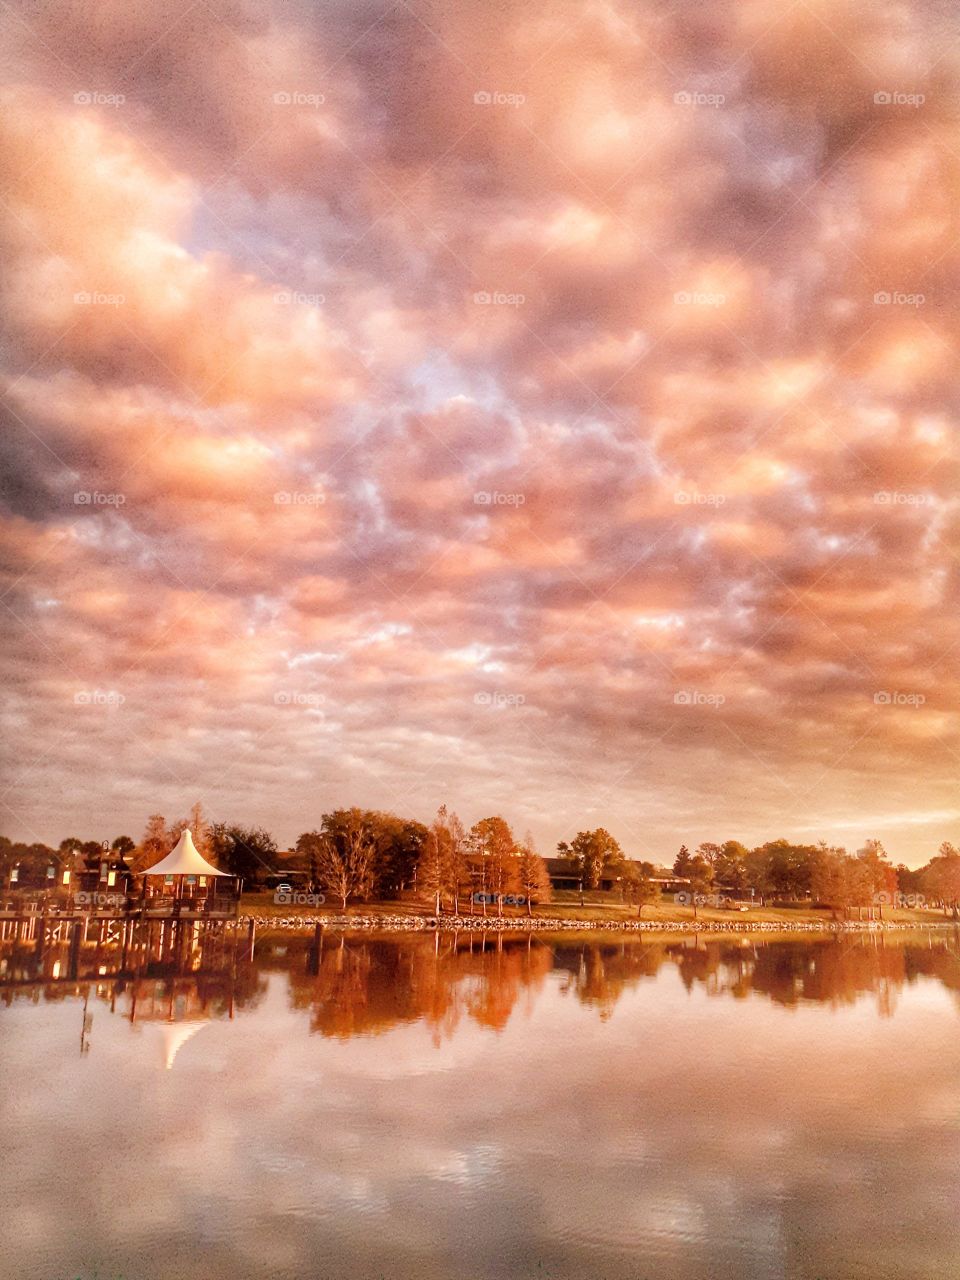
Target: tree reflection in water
360,985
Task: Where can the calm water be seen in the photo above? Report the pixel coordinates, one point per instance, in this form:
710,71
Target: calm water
424,1108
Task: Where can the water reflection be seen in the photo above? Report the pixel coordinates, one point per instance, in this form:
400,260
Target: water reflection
440,1107
363,985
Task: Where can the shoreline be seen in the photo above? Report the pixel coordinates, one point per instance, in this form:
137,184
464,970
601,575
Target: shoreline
537,924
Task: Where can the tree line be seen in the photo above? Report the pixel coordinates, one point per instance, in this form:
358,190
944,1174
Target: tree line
820,873
359,853
364,854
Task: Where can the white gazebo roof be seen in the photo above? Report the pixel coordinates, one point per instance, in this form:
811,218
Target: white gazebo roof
174,1035
183,860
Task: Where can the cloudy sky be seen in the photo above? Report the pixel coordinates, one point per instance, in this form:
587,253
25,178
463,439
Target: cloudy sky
546,409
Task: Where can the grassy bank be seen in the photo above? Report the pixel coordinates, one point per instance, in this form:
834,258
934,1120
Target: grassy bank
596,908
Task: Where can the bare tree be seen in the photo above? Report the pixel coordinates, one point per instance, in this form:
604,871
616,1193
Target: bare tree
155,843
433,865
532,873
345,854
199,828
459,862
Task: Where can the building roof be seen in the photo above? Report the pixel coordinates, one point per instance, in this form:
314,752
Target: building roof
183,860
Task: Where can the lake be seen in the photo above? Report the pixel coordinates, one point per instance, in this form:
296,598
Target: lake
441,1107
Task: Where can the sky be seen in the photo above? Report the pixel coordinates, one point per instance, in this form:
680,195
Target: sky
540,409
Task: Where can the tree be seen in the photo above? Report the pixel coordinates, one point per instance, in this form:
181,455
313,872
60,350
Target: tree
730,866
681,863
880,875
492,840
123,846
92,852
31,863
398,844
532,874
308,846
639,877
459,861
242,851
593,853
434,865
155,842
346,853
941,877
700,875
199,828
840,881
709,852
781,869
909,879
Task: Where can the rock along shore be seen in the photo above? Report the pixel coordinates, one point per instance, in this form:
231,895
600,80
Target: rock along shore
543,924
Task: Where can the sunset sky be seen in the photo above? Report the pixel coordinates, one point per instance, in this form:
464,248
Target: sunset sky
546,409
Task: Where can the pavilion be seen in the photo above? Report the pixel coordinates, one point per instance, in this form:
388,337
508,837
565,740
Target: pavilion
192,883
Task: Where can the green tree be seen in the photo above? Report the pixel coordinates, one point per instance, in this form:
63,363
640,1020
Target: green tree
781,869
681,863
730,866
909,879
308,846
398,845
248,852
593,853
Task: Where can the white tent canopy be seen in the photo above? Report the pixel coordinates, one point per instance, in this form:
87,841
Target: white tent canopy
174,1036
183,860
